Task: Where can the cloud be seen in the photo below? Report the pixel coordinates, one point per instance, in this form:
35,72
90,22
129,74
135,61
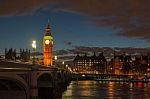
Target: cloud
142,33
22,7
131,16
69,43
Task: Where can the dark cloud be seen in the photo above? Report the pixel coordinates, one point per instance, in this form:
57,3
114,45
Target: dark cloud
22,7
69,43
142,33
131,16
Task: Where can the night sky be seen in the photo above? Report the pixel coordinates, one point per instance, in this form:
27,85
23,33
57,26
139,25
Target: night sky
100,23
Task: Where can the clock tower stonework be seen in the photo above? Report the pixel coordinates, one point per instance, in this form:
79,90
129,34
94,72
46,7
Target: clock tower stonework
48,46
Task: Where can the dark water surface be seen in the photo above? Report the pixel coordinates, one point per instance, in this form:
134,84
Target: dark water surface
106,90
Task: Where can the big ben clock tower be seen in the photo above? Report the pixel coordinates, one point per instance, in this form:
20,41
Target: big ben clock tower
48,46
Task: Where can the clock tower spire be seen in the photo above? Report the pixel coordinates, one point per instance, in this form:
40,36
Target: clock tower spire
48,46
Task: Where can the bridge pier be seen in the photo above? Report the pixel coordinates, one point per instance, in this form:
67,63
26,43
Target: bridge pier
33,85
61,82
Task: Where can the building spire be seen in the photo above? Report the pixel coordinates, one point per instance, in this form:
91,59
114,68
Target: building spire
48,20
48,29
48,25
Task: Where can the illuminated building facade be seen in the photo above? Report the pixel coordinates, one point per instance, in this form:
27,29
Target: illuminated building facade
142,65
48,46
125,64
89,64
117,64
122,64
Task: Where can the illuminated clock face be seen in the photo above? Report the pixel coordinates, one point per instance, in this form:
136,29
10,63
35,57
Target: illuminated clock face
47,42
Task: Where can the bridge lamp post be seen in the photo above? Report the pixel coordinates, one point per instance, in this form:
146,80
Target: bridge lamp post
63,63
55,59
66,66
34,48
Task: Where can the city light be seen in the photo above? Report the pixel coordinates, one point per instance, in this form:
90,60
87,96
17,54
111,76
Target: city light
55,57
34,47
63,62
66,66
83,75
34,44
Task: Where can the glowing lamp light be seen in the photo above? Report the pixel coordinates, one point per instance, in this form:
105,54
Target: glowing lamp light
55,57
34,44
83,75
63,62
34,47
66,66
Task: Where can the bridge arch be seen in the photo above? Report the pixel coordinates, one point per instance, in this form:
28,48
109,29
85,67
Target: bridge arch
45,85
14,86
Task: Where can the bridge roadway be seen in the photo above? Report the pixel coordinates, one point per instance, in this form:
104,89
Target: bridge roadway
29,81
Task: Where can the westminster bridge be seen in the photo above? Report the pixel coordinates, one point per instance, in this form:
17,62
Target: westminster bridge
30,81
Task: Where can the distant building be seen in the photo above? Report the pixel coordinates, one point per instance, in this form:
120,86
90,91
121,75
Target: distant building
25,55
126,64
90,64
122,64
11,54
142,64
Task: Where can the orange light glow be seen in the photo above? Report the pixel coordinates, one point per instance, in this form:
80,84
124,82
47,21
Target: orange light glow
48,47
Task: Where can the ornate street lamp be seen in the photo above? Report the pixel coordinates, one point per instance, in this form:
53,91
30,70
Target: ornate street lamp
66,66
63,63
34,48
55,59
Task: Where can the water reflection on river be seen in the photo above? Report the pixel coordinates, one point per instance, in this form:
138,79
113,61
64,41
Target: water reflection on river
106,90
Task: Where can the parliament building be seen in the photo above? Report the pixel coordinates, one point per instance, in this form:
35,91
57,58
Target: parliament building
90,64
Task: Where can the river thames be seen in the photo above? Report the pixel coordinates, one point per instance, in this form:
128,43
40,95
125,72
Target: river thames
106,90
